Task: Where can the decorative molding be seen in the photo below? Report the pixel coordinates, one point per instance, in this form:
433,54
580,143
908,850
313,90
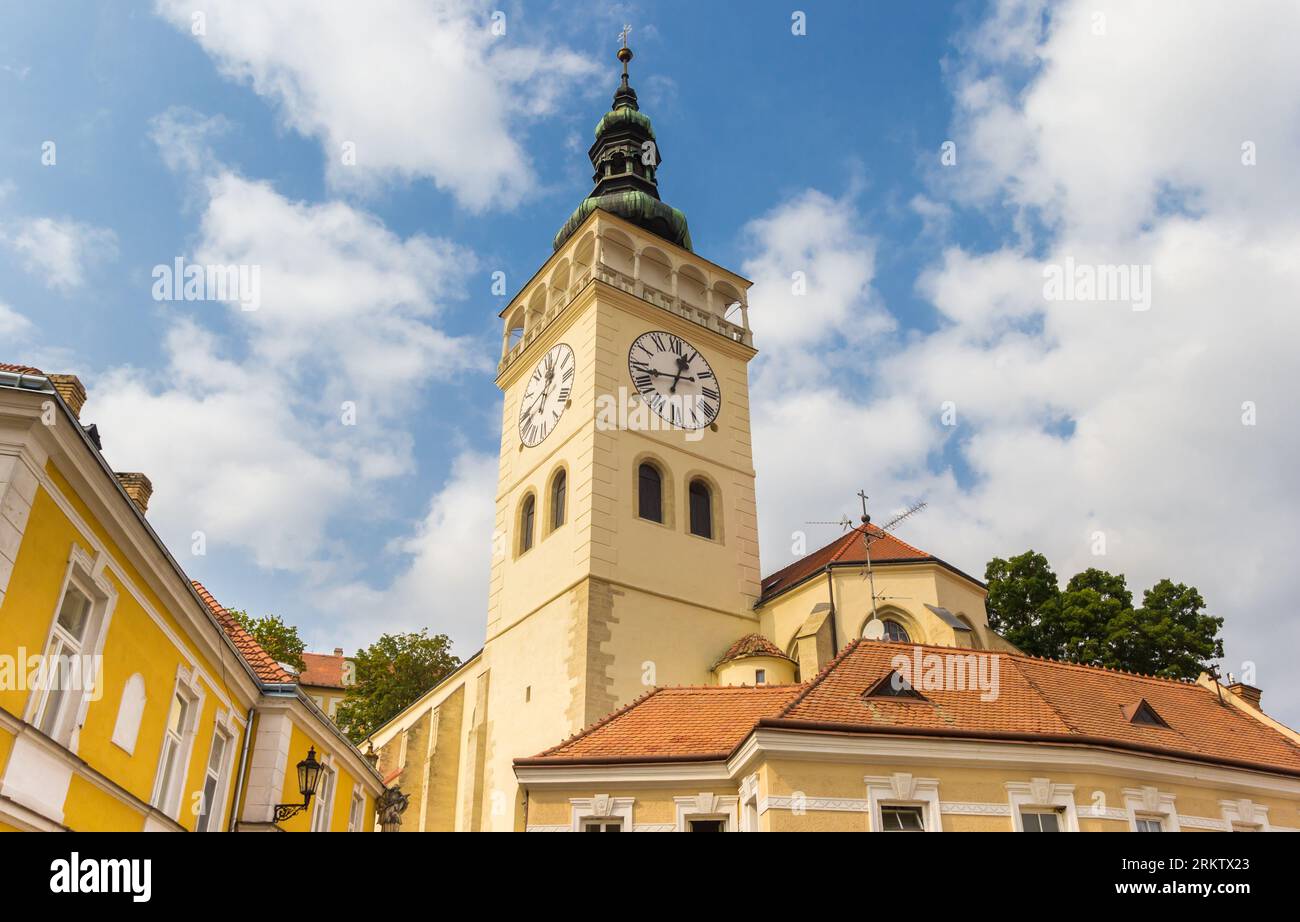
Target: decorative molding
803,804
706,805
1151,801
968,808
601,807
1041,792
903,788
654,827
1202,822
1244,812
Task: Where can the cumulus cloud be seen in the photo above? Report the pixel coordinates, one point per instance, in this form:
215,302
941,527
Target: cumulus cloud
59,250
268,425
1168,430
444,582
417,89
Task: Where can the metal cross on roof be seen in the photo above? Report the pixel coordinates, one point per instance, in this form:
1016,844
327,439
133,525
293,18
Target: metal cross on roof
622,36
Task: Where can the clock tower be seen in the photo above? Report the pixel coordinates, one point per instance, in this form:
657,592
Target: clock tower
626,542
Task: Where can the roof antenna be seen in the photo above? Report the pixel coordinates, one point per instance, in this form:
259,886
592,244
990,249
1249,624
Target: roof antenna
875,629
1213,673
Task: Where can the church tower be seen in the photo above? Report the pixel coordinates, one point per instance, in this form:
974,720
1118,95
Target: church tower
626,540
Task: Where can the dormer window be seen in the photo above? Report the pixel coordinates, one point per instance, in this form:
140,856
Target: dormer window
1143,715
894,685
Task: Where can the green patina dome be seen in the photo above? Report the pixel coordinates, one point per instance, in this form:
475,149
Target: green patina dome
637,207
626,158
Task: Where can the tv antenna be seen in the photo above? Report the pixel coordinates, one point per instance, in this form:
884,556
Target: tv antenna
868,538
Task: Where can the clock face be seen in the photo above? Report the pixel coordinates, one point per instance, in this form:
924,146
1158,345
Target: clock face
674,379
546,395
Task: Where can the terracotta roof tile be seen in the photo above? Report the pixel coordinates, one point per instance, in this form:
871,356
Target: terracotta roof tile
323,669
849,548
750,645
681,722
1036,701
263,664
20,369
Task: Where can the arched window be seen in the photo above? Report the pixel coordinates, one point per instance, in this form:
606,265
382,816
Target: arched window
650,489
701,509
895,632
526,517
559,489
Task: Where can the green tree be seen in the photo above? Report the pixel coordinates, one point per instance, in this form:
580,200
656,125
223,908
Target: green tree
391,674
1093,620
277,638
1022,589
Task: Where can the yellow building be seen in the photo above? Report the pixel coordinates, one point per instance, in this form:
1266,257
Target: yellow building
129,698
625,598
326,678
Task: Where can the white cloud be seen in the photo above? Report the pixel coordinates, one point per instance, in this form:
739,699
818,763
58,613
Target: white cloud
245,432
443,583
59,250
14,327
421,89
1078,417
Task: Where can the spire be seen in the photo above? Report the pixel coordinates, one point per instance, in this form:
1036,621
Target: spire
626,160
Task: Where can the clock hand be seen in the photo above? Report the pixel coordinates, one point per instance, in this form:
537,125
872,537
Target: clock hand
681,367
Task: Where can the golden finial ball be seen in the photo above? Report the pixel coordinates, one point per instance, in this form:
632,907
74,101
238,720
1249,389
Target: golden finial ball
625,54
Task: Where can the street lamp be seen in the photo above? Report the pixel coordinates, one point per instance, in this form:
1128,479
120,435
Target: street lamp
308,778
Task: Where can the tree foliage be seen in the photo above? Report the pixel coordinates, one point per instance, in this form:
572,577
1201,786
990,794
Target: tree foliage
277,638
391,674
1093,620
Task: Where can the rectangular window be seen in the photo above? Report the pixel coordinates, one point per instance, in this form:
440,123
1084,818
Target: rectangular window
320,817
602,826
214,784
171,774
707,826
1150,824
760,676
1040,820
901,819
64,675
357,814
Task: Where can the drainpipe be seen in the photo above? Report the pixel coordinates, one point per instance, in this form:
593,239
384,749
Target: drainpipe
243,766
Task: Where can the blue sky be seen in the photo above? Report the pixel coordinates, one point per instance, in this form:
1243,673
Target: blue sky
1111,141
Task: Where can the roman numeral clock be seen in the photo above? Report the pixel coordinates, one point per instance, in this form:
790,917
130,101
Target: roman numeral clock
675,379
547,395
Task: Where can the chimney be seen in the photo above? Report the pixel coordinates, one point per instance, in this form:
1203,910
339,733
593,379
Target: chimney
71,390
137,487
338,651
1247,693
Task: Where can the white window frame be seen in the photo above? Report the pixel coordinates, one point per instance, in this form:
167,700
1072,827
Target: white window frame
168,793
357,809
323,811
708,806
86,573
1150,803
1244,812
226,726
749,803
1042,794
601,807
901,789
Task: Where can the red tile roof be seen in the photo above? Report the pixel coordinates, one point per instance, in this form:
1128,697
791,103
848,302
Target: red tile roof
750,645
850,548
1037,701
263,664
687,722
323,669
20,369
